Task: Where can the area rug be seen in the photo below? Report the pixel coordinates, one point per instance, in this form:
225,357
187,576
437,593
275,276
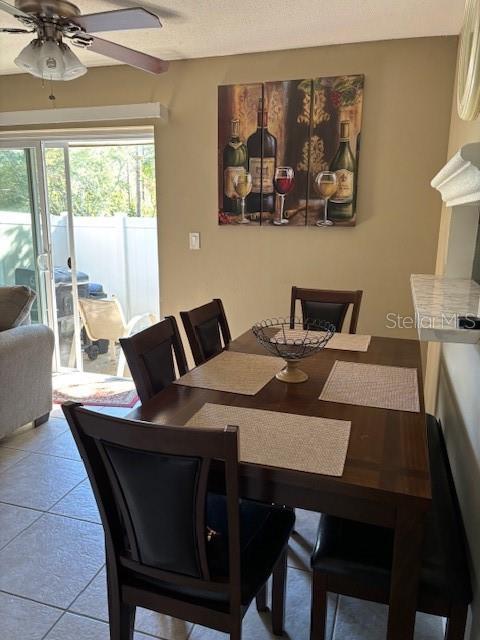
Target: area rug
94,389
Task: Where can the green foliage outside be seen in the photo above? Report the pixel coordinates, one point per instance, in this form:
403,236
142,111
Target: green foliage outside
105,180
14,194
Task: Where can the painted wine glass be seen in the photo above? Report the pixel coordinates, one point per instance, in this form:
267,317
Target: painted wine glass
283,181
326,186
242,183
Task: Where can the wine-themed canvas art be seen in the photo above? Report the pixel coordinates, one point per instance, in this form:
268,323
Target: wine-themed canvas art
288,152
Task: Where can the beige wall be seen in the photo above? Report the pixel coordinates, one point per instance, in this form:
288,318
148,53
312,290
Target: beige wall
453,375
406,117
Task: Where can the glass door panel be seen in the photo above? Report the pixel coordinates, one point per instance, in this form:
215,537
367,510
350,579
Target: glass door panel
65,279
115,235
20,236
102,217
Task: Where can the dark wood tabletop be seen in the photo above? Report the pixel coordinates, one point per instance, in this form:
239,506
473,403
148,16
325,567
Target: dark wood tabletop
386,477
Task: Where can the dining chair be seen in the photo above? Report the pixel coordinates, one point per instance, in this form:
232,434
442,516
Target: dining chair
151,355
355,559
172,546
203,326
324,305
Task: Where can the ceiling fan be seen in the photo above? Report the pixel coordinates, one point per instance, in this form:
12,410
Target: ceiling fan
56,22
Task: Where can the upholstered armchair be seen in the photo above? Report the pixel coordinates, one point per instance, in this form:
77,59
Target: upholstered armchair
26,353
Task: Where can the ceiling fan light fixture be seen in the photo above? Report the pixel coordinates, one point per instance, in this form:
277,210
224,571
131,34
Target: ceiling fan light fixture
50,60
73,67
27,59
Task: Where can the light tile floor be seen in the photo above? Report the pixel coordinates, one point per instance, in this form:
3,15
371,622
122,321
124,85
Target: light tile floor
52,575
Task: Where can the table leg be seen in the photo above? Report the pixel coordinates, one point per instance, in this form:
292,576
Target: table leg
405,574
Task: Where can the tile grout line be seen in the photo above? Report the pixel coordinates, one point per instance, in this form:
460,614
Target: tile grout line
53,625
31,430
45,604
21,506
36,453
67,494
40,514
86,587
49,513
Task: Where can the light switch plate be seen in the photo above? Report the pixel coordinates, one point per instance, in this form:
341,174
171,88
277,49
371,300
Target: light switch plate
194,241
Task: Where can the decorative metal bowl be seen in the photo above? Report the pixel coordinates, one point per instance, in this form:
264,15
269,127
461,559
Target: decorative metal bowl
288,338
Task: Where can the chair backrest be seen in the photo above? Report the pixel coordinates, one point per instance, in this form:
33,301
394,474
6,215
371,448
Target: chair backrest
203,326
326,305
150,483
103,319
150,357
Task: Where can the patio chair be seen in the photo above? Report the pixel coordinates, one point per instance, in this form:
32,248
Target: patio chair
105,320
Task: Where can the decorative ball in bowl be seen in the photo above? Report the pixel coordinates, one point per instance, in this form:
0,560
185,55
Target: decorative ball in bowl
293,339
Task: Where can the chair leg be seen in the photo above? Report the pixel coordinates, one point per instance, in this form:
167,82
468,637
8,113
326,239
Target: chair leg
236,630
121,615
318,616
261,599
456,623
122,621
294,532
279,586
41,420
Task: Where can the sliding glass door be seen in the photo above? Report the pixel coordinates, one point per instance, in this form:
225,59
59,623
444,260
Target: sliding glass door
23,250
101,205
78,225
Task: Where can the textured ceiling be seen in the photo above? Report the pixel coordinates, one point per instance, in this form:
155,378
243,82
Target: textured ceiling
198,28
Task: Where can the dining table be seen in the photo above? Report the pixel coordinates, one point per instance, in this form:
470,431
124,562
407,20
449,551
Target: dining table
385,480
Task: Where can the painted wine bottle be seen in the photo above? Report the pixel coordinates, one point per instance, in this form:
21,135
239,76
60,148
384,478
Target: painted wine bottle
235,161
343,164
262,158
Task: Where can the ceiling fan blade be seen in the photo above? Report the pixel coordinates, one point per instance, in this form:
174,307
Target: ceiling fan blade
150,5
134,18
128,56
13,11
8,30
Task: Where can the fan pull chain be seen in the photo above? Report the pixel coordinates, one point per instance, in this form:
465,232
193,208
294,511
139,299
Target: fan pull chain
52,95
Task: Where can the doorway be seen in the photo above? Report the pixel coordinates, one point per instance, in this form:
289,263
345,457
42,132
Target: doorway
83,233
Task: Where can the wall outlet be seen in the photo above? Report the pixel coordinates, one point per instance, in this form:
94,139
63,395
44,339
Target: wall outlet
194,240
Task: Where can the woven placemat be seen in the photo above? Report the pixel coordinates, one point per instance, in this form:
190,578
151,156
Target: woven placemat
372,385
343,341
349,342
286,440
234,372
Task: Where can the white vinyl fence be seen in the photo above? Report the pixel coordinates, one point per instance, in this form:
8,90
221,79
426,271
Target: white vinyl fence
118,252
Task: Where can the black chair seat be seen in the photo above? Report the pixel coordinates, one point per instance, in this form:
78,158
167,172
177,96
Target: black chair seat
364,552
264,532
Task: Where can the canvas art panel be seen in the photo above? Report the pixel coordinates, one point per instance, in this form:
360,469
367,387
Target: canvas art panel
276,140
